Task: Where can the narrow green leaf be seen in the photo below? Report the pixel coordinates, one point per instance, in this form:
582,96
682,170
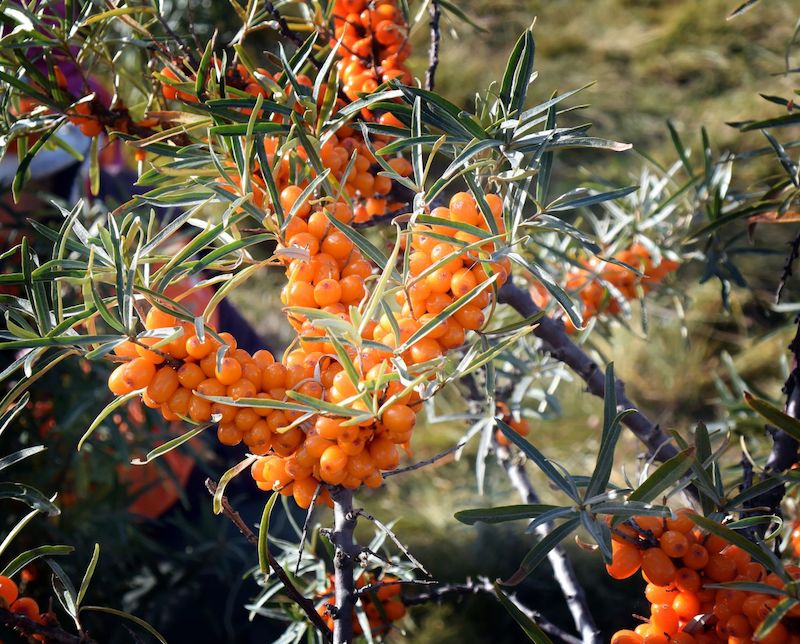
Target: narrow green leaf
87,577
531,629
539,552
263,533
774,415
227,478
121,613
501,514
667,475
20,561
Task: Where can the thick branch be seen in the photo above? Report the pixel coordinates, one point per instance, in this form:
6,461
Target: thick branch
344,524
557,343
784,448
28,627
563,571
433,52
306,605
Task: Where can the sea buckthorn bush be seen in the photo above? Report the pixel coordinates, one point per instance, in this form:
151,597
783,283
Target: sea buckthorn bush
428,267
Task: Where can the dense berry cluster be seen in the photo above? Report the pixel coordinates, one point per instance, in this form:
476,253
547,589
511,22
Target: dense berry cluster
601,285
678,561
382,606
325,272
374,36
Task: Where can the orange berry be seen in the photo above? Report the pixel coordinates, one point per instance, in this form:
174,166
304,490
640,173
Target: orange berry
229,434
626,560
462,208
660,594
626,637
229,371
686,605
674,543
8,590
138,373
163,385
117,383
696,557
289,196
720,568
657,567
27,607
333,465
664,618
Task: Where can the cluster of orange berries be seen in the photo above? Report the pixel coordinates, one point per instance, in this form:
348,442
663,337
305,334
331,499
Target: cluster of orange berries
438,275
381,606
678,561
374,37
26,606
590,283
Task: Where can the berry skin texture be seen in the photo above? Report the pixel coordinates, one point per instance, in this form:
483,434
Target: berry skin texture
626,560
657,567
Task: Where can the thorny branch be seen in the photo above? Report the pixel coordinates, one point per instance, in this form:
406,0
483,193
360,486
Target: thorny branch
29,627
788,267
427,461
563,571
345,552
394,538
293,593
433,52
557,343
784,452
483,585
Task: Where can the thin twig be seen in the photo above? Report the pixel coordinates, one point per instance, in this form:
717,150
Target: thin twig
394,538
794,252
483,585
305,527
563,570
364,590
427,461
433,51
306,605
557,343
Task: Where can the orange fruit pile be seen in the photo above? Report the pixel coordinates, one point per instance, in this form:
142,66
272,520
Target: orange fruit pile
374,37
677,561
591,284
382,606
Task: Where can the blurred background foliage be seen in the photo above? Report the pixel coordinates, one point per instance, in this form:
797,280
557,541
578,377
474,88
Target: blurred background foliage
650,60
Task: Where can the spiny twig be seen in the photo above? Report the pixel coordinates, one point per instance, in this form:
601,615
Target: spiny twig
794,252
483,585
305,604
394,538
433,51
426,462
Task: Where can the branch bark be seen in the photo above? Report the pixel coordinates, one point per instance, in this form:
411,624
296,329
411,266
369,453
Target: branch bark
563,571
344,524
28,627
557,343
433,51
